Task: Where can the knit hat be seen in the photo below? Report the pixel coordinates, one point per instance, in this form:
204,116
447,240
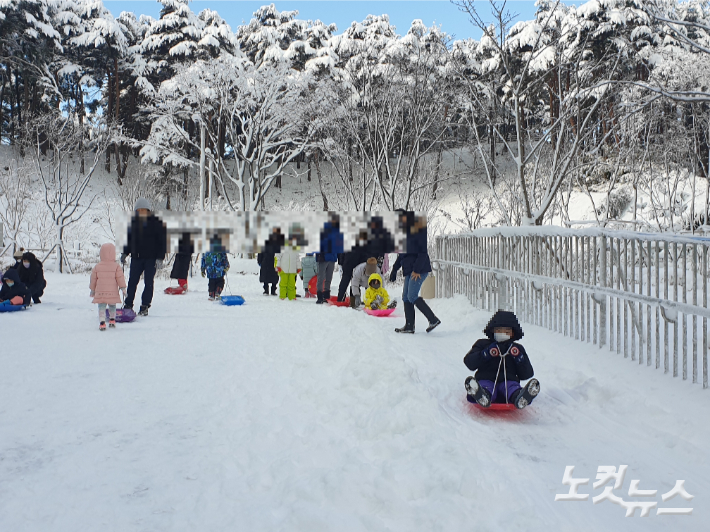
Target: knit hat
371,267
18,254
142,203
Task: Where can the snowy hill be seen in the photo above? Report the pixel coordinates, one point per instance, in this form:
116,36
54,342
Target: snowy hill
291,416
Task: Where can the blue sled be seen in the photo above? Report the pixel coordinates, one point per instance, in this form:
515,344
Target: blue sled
231,301
11,308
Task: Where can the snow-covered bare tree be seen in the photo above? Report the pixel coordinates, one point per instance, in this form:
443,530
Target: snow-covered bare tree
53,142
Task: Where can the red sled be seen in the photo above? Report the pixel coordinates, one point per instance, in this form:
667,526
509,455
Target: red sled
498,407
312,286
334,301
175,290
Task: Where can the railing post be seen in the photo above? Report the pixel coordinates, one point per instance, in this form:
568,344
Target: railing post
602,283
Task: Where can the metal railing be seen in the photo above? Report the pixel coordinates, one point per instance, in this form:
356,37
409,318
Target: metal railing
641,294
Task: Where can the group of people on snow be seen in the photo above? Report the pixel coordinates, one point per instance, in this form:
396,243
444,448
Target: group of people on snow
23,283
362,266
499,360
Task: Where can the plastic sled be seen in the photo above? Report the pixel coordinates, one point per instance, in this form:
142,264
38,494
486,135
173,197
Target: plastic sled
231,301
334,301
380,313
313,285
123,315
499,407
12,308
175,290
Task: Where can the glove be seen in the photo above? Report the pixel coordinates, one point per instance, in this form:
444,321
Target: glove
226,269
278,270
159,264
393,277
203,273
299,271
123,258
393,304
92,293
493,350
374,306
123,291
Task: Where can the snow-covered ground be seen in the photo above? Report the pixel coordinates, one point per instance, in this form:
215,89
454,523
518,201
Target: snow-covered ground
289,416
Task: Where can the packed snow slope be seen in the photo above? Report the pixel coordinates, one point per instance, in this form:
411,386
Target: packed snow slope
288,416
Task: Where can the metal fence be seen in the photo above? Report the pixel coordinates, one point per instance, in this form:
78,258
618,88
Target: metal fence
644,295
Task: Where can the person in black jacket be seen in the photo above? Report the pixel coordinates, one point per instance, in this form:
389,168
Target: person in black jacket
147,242
267,270
379,241
32,275
416,266
12,287
181,264
500,364
351,259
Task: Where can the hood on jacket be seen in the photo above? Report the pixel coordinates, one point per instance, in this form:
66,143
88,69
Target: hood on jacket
12,275
29,257
375,276
107,253
504,318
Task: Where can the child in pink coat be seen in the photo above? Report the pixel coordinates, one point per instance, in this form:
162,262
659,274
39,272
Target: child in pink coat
106,278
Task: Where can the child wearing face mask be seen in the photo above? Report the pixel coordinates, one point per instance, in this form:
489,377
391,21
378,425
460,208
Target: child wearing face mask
13,291
500,364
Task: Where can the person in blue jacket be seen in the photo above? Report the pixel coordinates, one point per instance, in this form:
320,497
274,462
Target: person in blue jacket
331,244
416,266
500,363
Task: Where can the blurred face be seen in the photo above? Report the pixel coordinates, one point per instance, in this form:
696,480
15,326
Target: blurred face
143,213
375,284
9,283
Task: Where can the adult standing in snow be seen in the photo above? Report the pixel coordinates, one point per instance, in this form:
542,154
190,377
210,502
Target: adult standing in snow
331,243
267,269
32,275
379,241
416,266
146,244
181,264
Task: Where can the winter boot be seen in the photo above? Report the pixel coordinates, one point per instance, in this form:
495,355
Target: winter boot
102,326
320,299
326,295
210,296
112,323
126,306
525,395
273,290
409,319
143,310
478,393
266,291
393,304
428,314
218,294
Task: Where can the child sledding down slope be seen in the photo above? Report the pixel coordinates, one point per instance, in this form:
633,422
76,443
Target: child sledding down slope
500,364
376,297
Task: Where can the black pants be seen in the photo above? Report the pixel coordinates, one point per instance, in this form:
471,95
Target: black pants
345,282
37,289
273,287
214,284
138,267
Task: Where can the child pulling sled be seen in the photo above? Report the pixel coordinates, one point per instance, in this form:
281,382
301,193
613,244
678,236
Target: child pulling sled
106,280
500,364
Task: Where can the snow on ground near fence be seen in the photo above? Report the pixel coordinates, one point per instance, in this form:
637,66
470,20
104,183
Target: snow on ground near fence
291,416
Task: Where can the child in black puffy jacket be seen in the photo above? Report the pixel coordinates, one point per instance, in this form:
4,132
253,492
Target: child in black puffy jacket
500,364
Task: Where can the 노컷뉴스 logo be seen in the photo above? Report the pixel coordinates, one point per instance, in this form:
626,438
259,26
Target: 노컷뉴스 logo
605,474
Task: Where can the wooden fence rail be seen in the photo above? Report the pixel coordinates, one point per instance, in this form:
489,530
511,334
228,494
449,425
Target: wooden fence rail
644,295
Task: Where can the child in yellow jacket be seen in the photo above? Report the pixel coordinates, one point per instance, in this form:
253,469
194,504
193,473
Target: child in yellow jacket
376,297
